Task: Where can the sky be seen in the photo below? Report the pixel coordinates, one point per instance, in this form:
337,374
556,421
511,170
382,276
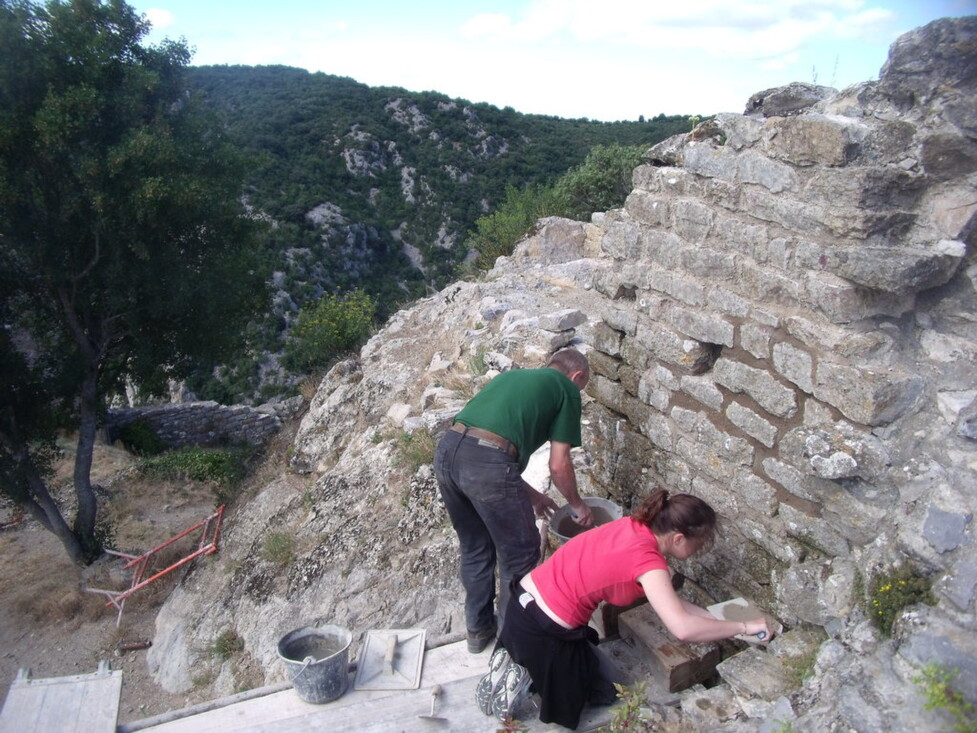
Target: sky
602,60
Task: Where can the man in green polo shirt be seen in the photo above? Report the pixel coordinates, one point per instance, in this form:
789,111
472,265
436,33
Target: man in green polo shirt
479,463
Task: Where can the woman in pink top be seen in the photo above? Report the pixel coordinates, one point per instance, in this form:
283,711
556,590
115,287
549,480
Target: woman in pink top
546,637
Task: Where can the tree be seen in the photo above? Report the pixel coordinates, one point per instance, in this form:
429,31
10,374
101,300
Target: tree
602,182
125,248
328,327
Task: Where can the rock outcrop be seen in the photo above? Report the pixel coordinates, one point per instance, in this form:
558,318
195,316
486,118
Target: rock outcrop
780,319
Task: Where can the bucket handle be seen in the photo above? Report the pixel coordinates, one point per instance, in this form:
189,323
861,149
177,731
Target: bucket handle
305,665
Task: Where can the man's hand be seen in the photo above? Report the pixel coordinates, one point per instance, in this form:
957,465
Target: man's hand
582,514
543,505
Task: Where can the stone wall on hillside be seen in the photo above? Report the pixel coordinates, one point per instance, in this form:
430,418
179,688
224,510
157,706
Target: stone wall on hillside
790,333
197,423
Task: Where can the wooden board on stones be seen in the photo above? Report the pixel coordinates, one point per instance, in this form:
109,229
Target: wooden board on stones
682,665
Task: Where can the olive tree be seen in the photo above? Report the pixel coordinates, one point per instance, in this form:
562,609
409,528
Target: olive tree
126,252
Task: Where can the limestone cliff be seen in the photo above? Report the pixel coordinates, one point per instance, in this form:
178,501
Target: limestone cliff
781,319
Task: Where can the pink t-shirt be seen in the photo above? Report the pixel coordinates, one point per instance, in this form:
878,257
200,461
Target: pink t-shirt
601,564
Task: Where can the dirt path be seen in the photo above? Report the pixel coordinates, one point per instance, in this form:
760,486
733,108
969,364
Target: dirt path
52,626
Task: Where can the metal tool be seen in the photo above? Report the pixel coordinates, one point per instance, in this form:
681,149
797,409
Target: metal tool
435,693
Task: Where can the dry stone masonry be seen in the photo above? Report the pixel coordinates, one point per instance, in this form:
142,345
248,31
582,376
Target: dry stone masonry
199,423
791,335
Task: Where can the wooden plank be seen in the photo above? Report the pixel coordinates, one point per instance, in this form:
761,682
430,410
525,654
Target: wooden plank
80,703
681,664
375,711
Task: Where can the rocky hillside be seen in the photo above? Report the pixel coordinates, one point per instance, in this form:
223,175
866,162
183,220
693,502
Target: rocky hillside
780,320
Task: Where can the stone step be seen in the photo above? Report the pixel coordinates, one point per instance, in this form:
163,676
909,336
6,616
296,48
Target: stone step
679,664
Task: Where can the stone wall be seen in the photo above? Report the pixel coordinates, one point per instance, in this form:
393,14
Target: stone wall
791,335
198,423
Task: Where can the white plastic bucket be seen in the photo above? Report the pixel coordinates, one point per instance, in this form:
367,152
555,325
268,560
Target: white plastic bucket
563,527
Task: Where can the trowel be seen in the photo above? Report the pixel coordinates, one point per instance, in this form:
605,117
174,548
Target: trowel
435,694
740,609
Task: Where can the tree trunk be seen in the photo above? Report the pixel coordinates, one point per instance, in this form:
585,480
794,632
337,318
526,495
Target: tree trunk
84,526
42,507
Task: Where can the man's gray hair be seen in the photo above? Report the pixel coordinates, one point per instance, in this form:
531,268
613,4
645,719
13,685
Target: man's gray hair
569,361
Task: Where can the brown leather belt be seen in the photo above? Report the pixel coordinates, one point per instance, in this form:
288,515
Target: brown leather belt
484,436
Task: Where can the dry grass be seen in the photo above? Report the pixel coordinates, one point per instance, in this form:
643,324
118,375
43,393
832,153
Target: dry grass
462,384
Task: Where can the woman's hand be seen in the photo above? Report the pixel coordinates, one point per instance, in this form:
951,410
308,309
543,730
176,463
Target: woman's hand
757,627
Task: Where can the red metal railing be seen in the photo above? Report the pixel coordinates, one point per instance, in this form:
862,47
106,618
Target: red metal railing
139,564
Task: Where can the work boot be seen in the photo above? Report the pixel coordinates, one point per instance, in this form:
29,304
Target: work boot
478,640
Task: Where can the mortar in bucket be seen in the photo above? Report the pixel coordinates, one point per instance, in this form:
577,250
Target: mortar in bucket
563,527
317,661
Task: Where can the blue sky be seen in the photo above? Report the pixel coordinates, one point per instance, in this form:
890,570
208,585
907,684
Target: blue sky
606,60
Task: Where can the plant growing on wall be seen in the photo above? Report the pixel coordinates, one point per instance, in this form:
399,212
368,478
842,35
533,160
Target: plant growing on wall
890,592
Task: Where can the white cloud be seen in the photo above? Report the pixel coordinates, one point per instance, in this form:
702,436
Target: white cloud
160,18
487,25
745,29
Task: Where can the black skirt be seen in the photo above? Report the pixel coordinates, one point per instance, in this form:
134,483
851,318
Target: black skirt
561,662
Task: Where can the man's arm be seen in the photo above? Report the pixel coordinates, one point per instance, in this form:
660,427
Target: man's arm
565,479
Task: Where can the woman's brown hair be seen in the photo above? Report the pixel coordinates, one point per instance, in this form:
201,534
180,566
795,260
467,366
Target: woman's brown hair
683,513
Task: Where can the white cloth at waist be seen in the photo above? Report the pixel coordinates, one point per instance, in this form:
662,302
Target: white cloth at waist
529,587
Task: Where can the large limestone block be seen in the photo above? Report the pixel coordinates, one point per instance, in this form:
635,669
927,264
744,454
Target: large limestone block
870,396
813,139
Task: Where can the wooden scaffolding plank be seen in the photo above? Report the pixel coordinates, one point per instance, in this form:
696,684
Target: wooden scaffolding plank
87,703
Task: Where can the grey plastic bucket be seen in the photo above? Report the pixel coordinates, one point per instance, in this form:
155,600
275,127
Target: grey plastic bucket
317,661
563,526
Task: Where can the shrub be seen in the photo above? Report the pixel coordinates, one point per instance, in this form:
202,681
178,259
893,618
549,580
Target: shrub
892,591
226,644
600,183
415,449
222,467
496,234
328,327
628,716
139,438
279,548
936,684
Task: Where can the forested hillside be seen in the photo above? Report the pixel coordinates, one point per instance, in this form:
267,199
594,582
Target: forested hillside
378,188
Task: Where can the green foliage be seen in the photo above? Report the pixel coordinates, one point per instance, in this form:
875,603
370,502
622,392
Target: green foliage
279,548
602,182
415,449
139,437
628,716
222,467
891,591
496,234
329,327
477,365
936,684
302,128
127,252
226,645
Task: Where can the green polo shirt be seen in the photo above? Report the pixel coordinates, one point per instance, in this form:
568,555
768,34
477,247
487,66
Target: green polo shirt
527,407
